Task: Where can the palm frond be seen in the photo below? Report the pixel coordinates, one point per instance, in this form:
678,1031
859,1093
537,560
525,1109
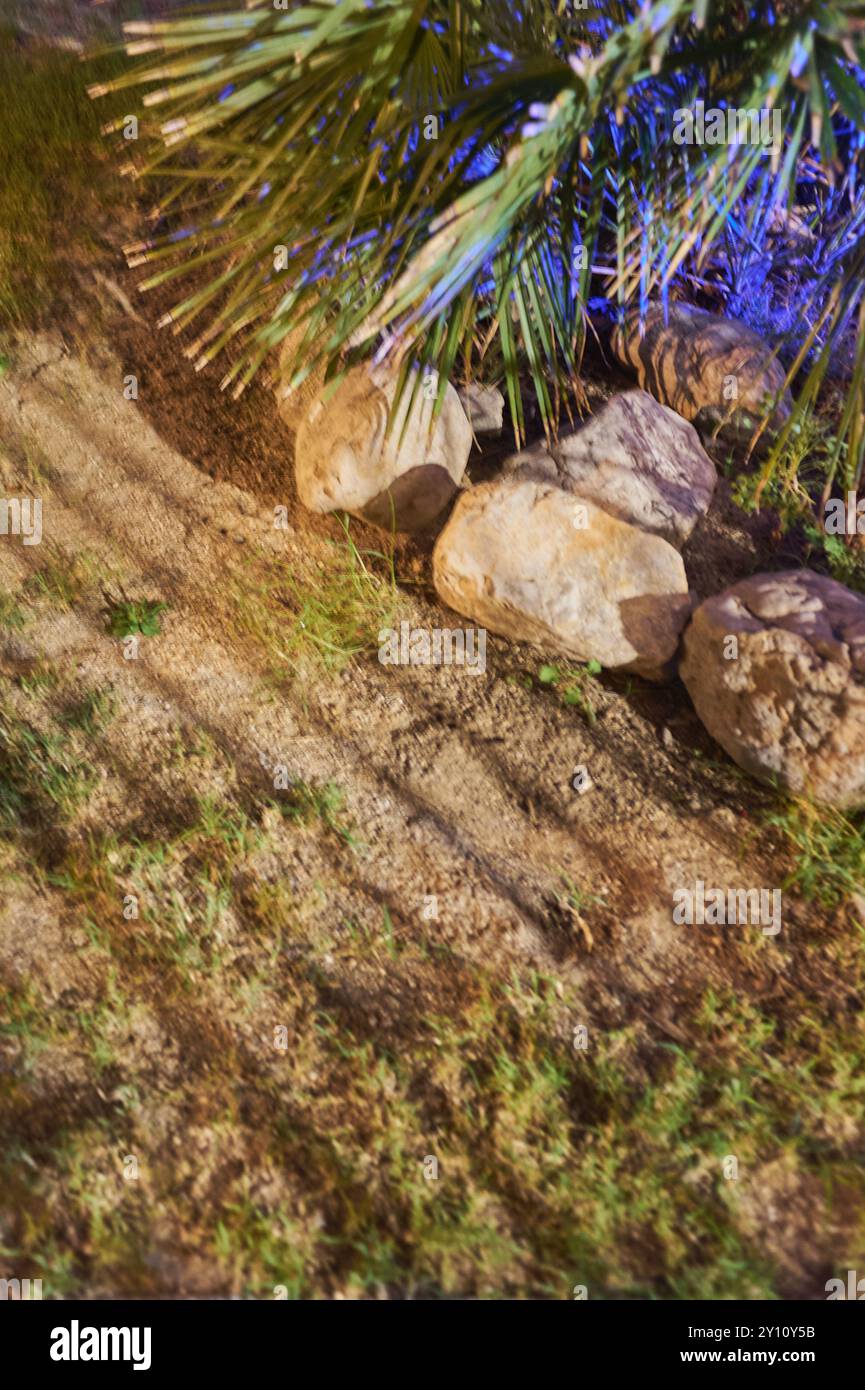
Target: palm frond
428,181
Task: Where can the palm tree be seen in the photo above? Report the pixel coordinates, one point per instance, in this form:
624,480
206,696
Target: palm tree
449,183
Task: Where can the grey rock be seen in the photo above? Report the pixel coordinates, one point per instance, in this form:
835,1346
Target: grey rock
637,459
484,406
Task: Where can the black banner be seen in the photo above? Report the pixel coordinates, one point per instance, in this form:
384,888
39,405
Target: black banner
80,1339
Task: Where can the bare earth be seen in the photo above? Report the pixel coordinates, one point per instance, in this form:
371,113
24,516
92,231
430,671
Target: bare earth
457,788
328,983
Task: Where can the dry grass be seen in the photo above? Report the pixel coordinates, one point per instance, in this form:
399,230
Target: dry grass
215,1108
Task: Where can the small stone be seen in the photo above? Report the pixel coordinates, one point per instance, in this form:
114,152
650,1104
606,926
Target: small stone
484,406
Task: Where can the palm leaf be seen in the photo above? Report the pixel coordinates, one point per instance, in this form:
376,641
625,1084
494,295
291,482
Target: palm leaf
552,171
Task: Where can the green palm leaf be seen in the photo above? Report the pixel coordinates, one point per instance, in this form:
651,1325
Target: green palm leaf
552,172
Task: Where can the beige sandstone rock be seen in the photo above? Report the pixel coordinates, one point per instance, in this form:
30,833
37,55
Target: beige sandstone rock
512,559
345,460
775,667
692,361
293,405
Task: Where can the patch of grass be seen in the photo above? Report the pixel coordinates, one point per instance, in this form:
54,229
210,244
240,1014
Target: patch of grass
273,907
794,487
225,825
100,1024
843,555
828,847
187,884
92,712
136,617
796,476
306,802
107,1211
54,172
41,679
63,579
12,616
476,1152
430,1126
342,614
265,1254
320,622
25,1022
572,685
41,775
183,887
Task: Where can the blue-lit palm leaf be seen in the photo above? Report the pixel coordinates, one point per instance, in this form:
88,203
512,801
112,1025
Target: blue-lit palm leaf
553,169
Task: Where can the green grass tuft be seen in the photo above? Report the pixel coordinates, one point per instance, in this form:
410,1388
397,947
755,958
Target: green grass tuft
63,580
92,713
41,775
304,802
829,850
133,618
12,617
319,622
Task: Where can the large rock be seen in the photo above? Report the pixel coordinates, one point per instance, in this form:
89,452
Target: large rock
775,666
528,561
346,460
638,460
709,369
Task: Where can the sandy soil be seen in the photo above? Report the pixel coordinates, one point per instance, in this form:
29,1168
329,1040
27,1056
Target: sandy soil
457,786
461,782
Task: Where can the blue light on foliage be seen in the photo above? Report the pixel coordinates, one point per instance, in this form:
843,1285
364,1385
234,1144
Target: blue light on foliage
800,57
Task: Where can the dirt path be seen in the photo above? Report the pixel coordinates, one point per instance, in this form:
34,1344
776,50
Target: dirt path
462,832
460,782
321,983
